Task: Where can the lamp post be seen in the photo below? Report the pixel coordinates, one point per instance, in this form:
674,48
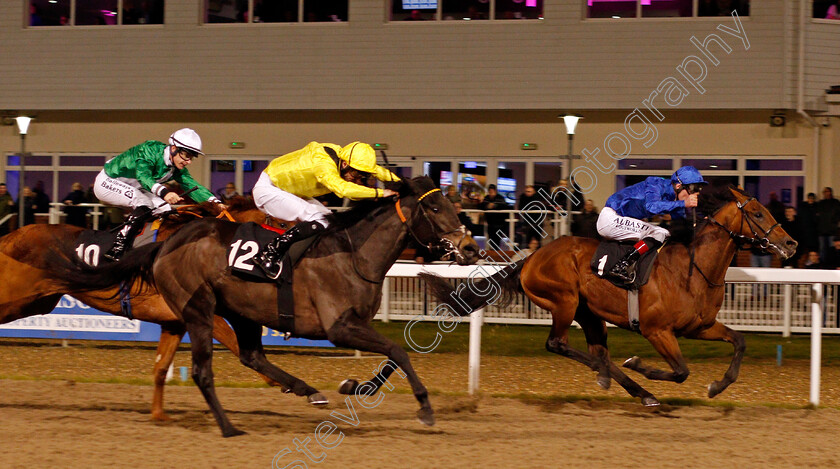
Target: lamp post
23,127
571,121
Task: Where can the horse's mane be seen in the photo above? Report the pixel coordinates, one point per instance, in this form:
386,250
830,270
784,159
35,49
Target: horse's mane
366,208
712,198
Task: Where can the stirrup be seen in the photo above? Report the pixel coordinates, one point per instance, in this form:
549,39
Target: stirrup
269,266
622,272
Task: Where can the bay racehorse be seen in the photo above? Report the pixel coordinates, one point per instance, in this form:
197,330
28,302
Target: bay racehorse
30,287
674,303
337,286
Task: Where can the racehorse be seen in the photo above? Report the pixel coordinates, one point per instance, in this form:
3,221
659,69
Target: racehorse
30,287
681,299
337,286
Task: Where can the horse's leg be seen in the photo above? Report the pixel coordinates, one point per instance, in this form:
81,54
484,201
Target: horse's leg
666,344
225,335
595,331
198,317
170,337
720,332
352,332
252,355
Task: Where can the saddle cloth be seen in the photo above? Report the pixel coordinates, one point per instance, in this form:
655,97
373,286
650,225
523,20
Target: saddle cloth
251,238
610,252
91,245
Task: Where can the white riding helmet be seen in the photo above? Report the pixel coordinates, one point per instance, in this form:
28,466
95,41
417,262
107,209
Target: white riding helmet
187,139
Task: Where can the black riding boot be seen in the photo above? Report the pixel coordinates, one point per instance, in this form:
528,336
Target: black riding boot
625,269
132,226
270,258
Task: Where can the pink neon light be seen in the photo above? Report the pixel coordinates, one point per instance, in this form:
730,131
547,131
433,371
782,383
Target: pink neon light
590,2
531,3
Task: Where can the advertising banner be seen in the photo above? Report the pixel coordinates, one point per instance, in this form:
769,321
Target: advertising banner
72,319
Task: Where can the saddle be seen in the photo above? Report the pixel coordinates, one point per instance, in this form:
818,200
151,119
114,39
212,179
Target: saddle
92,244
608,254
251,238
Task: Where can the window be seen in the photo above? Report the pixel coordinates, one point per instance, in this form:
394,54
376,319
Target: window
94,12
763,177
827,9
465,10
664,8
275,11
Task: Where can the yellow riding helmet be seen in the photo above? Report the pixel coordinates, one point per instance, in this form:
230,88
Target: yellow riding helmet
360,156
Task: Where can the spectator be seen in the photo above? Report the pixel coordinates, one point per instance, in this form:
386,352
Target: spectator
776,207
806,215
528,222
76,215
28,206
42,200
561,192
813,261
6,206
791,226
452,194
585,223
496,222
828,215
227,193
833,261
533,245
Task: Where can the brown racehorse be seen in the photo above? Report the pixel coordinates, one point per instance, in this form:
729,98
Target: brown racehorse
674,303
337,286
29,287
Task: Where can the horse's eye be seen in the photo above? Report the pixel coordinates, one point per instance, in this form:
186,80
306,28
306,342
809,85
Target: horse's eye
759,215
435,209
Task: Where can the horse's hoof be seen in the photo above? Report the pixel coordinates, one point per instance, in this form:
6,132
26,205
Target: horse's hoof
286,390
631,362
650,401
160,417
715,389
604,381
348,386
426,417
233,432
318,399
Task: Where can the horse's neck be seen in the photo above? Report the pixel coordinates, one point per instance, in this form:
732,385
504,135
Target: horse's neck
713,252
378,243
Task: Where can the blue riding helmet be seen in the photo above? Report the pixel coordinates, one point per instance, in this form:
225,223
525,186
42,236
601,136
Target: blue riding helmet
687,175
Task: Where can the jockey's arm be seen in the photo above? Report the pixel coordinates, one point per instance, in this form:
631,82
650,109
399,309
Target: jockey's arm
327,174
385,175
656,206
201,193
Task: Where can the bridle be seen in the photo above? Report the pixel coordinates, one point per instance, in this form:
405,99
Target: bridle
760,241
448,246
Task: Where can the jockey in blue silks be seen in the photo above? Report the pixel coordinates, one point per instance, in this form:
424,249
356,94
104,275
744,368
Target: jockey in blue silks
621,219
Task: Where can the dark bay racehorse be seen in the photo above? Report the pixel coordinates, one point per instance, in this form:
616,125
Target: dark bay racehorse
337,286
29,286
674,303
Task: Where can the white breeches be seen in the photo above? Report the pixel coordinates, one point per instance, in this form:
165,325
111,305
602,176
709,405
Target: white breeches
613,226
286,206
125,192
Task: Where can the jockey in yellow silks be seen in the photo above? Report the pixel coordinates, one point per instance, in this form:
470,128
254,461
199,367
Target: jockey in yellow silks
287,187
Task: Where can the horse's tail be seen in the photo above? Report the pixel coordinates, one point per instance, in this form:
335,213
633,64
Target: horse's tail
465,297
78,276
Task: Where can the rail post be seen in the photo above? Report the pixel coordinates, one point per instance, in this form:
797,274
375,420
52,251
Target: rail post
816,341
788,288
476,321
386,300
